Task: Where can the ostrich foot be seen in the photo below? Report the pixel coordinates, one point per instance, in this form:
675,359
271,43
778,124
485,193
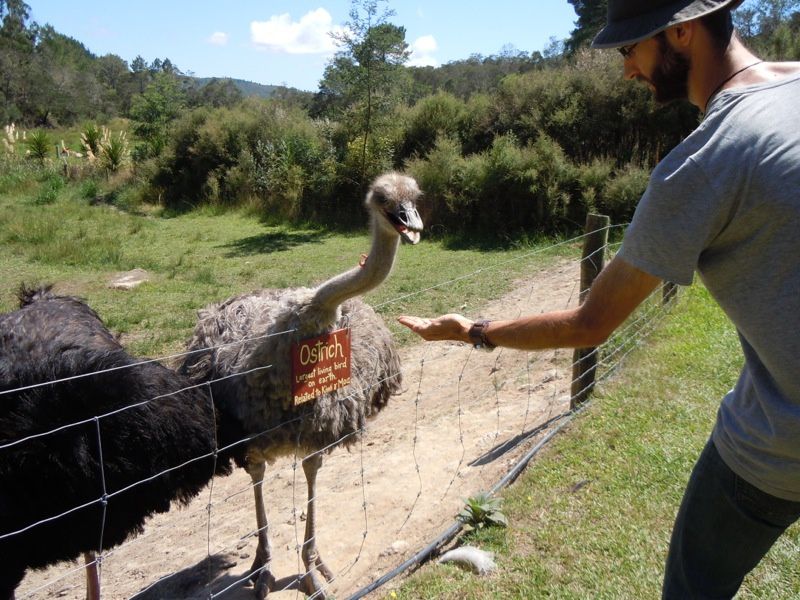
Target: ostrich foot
261,574
322,568
311,585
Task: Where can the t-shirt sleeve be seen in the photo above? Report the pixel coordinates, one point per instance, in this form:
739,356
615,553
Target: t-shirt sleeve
673,222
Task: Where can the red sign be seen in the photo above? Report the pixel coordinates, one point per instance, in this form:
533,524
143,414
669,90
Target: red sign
320,365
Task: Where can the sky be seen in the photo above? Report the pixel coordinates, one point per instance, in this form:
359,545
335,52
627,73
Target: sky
282,42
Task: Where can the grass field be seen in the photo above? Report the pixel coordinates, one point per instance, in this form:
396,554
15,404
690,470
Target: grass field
592,515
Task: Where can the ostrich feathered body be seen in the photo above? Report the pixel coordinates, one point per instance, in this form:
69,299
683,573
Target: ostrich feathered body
120,454
250,336
242,348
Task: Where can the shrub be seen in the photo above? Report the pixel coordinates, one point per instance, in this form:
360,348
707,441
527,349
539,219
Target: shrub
39,145
590,111
90,189
623,193
270,157
49,190
440,176
593,179
478,124
431,117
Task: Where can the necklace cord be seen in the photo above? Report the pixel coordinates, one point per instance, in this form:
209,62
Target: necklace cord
727,79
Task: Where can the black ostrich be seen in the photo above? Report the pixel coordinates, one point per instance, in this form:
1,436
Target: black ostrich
113,447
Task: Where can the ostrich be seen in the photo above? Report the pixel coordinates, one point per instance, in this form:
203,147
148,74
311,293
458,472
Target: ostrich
258,329
101,422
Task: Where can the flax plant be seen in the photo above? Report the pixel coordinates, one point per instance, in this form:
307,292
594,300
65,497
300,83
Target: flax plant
39,145
91,136
114,152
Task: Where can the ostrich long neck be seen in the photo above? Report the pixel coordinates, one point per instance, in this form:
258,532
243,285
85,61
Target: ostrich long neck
330,294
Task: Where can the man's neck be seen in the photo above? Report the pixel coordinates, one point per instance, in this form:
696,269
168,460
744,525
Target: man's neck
714,71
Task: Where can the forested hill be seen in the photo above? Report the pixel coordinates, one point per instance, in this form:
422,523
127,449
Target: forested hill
247,88
50,79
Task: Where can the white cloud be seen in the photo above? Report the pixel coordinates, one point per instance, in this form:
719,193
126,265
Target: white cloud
422,50
309,35
218,38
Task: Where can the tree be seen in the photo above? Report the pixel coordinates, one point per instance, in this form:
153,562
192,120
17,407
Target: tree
14,15
168,67
17,44
216,93
365,72
591,19
65,82
154,111
141,74
762,18
770,27
116,81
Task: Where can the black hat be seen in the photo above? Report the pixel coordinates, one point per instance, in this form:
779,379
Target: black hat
631,21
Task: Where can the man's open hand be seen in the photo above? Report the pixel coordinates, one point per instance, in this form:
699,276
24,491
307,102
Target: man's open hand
447,327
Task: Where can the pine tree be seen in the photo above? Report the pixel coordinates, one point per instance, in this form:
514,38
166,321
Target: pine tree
591,19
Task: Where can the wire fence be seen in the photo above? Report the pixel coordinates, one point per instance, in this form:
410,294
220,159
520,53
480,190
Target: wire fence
466,421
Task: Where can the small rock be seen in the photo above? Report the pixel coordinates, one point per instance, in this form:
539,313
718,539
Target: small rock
397,547
129,280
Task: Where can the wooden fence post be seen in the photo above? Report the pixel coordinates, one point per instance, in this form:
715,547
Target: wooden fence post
584,360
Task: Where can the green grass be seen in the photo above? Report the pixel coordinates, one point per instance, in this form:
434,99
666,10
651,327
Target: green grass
53,232
592,515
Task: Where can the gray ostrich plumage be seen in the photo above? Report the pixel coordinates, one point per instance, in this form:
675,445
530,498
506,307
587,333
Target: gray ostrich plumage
251,335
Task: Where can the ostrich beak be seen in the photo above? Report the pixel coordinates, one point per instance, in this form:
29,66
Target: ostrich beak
407,222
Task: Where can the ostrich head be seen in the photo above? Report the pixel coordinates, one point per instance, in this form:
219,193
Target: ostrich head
392,199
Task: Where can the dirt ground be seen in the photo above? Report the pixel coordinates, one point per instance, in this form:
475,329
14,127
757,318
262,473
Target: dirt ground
464,419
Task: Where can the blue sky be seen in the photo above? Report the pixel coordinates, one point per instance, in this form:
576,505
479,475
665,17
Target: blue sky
287,42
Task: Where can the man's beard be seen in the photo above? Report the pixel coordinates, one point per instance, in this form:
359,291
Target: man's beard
670,78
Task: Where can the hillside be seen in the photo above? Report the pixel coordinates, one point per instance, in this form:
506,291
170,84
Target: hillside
248,88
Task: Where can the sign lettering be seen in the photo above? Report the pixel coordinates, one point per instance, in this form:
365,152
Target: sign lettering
320,365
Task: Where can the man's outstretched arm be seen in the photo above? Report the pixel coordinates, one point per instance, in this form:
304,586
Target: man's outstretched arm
615,294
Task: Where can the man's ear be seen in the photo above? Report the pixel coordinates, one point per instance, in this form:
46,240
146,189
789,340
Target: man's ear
681,35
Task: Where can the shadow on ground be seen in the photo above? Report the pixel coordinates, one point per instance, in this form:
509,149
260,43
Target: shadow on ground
273,241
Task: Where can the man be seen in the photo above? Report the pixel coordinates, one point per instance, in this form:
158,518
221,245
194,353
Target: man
724,203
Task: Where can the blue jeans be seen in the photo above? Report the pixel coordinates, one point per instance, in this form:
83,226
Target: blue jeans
723,529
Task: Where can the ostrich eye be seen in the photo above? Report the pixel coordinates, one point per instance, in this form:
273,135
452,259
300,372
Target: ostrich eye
380,198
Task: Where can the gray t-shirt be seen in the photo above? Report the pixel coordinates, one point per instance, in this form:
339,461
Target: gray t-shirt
726,203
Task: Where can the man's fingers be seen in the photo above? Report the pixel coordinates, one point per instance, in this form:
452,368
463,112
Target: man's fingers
410,322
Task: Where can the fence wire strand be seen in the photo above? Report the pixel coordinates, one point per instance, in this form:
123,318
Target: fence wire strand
610,357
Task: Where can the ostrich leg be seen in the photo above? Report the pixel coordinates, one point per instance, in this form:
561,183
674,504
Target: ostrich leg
261,573
92,576
311,558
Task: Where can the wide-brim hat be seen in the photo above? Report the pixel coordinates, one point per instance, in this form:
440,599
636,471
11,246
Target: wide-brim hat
631,21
